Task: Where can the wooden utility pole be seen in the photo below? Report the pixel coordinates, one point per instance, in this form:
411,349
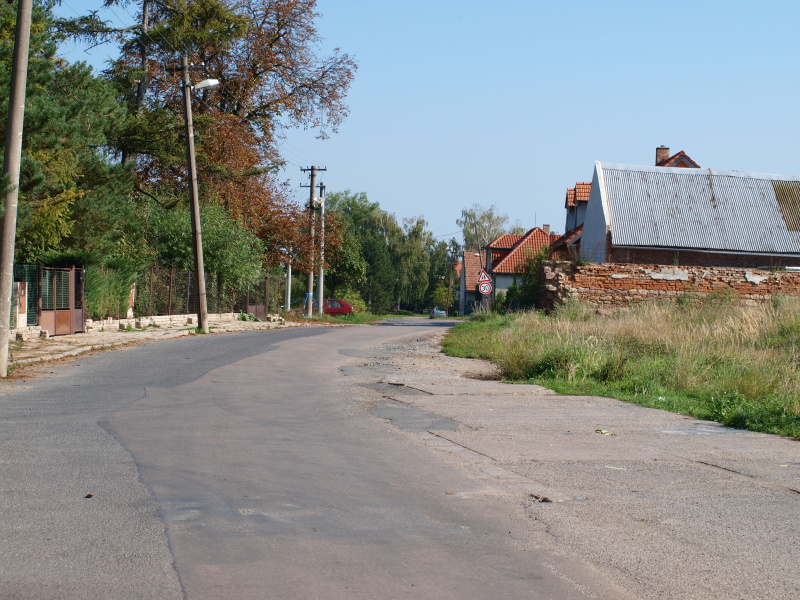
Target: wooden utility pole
11,167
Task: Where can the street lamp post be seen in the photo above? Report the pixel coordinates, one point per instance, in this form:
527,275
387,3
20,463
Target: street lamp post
197,238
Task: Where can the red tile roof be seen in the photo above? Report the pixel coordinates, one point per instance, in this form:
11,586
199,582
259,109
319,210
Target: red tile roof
580,193
472,268
569,201
565,239
525,249
498,255
681,159
507,240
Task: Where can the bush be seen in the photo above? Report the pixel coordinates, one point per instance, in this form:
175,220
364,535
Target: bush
107,292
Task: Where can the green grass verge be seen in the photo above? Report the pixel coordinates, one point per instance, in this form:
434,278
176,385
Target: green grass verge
736,365
356,318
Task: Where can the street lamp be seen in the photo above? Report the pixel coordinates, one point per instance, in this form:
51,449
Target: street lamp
197,238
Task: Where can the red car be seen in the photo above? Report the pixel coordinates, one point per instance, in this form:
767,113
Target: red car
333,306
336,306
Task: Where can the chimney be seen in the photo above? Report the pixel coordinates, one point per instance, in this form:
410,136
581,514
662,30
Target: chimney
662,154
546,228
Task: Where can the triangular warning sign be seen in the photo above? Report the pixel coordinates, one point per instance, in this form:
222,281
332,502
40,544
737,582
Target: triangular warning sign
483,277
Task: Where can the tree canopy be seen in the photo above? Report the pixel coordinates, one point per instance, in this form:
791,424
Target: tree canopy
480,225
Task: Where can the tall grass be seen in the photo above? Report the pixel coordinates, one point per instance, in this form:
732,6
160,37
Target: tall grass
713,360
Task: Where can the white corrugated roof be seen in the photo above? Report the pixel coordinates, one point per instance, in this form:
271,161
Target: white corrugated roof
702,209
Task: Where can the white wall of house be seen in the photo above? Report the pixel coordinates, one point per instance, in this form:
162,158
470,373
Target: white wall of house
596,224
502,282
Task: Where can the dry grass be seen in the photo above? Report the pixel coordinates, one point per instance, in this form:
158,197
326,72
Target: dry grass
714,360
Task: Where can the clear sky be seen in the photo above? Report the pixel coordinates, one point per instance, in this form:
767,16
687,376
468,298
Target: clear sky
510,103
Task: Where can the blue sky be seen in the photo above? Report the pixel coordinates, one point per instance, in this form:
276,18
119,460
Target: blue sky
510,103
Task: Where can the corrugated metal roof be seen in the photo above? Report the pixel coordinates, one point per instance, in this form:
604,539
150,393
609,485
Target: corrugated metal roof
702,209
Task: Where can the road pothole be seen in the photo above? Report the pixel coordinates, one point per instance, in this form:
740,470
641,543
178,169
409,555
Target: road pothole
410,418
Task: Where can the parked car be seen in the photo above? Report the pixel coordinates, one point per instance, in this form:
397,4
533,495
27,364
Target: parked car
333,306
438,312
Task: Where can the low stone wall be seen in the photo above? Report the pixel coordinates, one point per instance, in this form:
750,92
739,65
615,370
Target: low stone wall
610,285
166,320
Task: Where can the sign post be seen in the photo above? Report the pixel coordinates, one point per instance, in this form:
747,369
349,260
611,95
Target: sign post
484,283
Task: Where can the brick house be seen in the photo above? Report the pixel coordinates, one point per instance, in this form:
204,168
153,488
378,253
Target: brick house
691,217
507,256
471,265
679,160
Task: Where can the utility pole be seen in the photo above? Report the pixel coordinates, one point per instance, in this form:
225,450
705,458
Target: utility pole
312,205
197,237
288,301
321,276
11,167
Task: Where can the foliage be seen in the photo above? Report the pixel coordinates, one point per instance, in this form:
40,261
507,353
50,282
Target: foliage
500,303
353,298
230,251
480,225
248,317
443,296
71,194
347,266
442,273
107,291
381,276
412,261
526,294
272,77
711,359
378,236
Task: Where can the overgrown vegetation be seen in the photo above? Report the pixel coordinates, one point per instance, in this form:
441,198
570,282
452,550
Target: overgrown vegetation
711,360
356,318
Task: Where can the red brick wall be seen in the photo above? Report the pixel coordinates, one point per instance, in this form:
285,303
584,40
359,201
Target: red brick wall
616,284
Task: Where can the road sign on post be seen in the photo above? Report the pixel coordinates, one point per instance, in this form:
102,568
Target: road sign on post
484,277
485,288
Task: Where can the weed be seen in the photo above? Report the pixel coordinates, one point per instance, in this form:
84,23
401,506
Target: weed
710,359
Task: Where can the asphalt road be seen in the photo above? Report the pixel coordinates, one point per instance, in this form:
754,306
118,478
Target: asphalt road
345,463
240,466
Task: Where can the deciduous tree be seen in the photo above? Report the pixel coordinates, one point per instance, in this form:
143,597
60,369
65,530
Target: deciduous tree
480,225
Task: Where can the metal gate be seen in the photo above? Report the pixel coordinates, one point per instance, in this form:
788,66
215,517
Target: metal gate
54,298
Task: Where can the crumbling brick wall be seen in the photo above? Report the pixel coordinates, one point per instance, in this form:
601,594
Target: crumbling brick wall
610,285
